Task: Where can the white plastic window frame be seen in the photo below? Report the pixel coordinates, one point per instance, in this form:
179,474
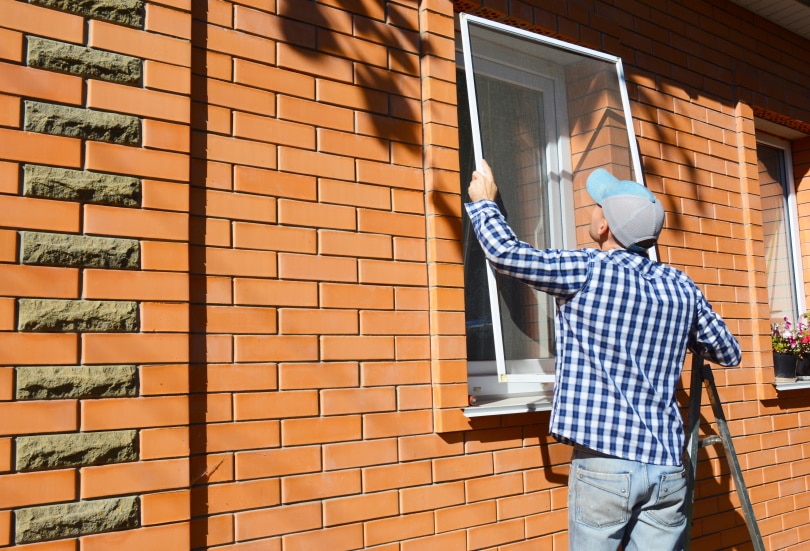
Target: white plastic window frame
522,392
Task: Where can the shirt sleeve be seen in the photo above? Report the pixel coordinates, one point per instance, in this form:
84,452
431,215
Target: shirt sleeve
711,338
557,272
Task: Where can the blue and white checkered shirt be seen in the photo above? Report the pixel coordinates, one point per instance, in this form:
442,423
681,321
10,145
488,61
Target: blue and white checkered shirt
623,325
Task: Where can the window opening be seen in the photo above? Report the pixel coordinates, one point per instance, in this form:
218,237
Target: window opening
544,114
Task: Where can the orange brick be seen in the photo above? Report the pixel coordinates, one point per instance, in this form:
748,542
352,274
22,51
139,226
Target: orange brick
412,348
331,67
341,537
9,178
411,298
354,194
308,487
239,436
39,148
241,44
276,238
276,293
164,256
238,377
105,220
383,425
430,446
134,42
39,214
273,79
234,262
38,349
356,296
126,478
163,443
394,373
171,536
9,109
491,535
132,285
35,417
5,527
278,520
240,206
165,135
275,405
319,268
397,476
394,323
237,151
356,245
317,322
357,400
238,496
121,413
165,195
5,455
275,348
135,348
403,527
370,172
165,507
167,77
36,83
228,319
300,213
274,183
352,96
151,104
434,497
314,163
158,380
460,468
348,144
213,290
439,542
409,249
523,505
166,21
393,273
281,462
356,509
39,281
42,21
22,490
149,163
319,375
493,487
371,124
391,223
298,432
357,348
359,454
269,129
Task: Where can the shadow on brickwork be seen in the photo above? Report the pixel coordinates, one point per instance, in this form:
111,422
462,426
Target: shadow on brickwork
200,468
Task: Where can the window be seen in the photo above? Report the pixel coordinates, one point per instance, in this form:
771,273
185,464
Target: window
544,114
780,229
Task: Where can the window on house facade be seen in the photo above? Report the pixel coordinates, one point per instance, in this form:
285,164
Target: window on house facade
780,228
544,114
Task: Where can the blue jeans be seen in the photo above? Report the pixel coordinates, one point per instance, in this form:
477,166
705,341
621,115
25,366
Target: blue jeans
613,502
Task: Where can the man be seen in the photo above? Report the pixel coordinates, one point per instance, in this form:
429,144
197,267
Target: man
623,325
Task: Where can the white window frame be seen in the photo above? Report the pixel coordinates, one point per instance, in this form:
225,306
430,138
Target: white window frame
527,385
791,218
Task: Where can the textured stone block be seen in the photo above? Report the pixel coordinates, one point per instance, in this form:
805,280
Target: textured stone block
57,451
76,185
80,518
63,249
92,316
125,12
85,62
74,122
43,382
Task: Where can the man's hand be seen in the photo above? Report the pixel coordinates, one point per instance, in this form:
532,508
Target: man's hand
482,185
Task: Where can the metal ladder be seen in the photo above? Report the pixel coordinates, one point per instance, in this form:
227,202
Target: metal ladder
702,375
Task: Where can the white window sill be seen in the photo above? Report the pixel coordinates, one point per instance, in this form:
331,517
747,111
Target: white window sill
508,405
794,385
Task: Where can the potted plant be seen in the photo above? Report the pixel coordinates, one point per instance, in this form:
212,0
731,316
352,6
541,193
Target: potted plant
803,344
786,347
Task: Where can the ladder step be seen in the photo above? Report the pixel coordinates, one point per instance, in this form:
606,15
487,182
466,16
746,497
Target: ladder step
709,441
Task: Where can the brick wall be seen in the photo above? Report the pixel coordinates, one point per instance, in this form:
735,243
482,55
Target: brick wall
231,291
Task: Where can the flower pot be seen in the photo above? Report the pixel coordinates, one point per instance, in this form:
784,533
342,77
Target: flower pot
784,367
803,368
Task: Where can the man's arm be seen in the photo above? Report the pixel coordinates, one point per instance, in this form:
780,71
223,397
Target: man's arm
711,338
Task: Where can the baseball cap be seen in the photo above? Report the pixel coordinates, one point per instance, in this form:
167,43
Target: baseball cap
634,214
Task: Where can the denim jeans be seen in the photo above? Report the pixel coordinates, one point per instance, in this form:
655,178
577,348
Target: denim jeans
613,502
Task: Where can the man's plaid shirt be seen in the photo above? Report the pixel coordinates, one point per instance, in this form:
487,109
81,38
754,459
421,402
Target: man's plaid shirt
623,325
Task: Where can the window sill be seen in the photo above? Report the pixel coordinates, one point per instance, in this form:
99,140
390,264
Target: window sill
795,385
505,405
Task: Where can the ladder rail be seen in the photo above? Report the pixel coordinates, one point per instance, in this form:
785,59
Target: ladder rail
702,376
